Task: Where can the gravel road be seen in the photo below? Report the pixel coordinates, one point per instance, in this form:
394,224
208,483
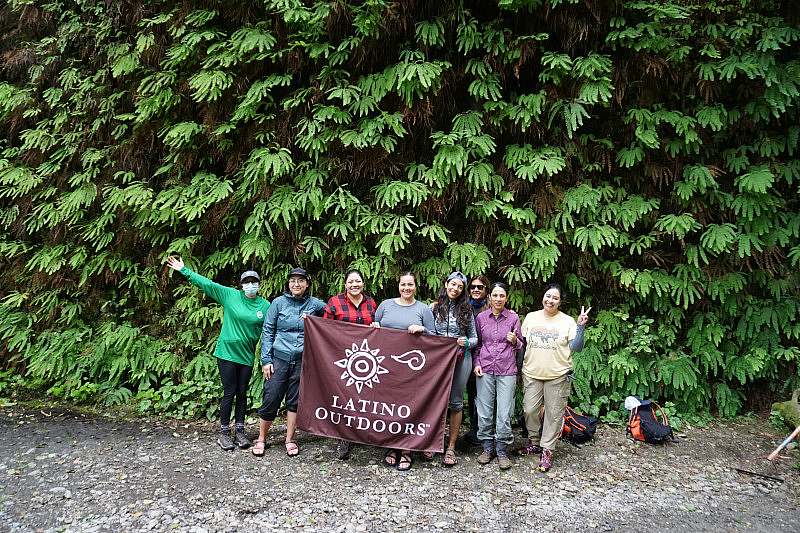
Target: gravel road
66,471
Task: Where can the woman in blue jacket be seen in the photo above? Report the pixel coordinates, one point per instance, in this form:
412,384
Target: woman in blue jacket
281,356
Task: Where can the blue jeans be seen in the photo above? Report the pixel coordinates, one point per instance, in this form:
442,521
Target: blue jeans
495,399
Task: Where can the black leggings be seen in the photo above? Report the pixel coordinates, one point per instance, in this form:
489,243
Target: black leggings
235,380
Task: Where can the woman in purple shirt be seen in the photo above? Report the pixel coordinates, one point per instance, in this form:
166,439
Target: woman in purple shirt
495,367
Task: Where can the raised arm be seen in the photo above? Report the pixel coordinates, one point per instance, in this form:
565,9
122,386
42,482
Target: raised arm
576,345
215,291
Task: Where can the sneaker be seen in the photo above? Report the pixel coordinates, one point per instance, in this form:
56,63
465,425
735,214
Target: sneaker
530,449
241,440
505,462
343,448
546,461
225,442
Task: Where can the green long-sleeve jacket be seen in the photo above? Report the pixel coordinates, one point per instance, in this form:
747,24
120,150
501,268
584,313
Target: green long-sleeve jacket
242,318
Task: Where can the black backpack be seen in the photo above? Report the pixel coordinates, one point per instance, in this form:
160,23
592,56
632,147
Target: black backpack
645,425
577,428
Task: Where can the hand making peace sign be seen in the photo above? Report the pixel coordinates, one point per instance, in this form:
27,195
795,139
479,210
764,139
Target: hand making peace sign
583,318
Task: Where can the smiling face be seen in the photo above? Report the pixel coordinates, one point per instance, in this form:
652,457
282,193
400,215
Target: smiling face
477,290
551,301
298,285
454,288
354,285
407,287
498,298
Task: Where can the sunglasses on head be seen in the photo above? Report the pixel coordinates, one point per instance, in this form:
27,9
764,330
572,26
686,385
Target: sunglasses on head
478,287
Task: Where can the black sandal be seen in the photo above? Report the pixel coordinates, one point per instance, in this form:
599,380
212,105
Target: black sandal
405,462
394,454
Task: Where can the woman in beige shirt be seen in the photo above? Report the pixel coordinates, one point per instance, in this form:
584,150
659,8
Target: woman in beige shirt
551,338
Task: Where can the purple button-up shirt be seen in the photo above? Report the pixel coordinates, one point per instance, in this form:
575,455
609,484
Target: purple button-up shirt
496,355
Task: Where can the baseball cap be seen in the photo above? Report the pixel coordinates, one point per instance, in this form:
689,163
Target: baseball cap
459,276
249,274
301,272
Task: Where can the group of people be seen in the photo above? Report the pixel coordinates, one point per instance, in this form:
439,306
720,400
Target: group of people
495,347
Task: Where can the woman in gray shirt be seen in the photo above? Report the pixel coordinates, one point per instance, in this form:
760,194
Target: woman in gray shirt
408,314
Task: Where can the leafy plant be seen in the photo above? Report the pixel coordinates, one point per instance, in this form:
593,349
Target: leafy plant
645,154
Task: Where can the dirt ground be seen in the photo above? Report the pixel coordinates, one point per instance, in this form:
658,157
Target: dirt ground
66,471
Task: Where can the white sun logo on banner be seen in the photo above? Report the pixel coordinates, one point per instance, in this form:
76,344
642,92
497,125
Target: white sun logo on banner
362,366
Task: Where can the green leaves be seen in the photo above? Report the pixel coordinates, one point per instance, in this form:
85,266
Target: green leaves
648,162
208,85
758,180
266,165
718,237
529,164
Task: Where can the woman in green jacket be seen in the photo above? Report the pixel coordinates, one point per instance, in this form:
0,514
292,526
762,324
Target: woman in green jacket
242,319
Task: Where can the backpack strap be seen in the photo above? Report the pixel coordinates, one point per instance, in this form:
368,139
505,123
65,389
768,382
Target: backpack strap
659,410
634,412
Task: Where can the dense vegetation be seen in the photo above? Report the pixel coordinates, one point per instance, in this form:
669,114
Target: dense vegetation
643,153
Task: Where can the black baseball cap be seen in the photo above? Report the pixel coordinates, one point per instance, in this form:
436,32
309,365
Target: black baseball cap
298,272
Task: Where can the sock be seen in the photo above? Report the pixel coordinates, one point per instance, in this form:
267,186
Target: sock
239,426
225,428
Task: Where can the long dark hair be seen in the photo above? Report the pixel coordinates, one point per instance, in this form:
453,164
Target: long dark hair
463,310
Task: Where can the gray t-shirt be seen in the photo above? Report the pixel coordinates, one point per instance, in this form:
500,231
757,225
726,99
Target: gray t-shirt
396,316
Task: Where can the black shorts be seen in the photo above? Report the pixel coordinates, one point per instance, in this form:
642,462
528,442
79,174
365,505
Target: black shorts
284,383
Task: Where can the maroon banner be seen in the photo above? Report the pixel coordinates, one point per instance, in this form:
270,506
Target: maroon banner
378,386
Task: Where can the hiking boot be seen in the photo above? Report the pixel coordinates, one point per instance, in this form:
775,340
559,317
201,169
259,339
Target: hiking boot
502,456
546,461
241,440
343,448
225,442
488,453
530,449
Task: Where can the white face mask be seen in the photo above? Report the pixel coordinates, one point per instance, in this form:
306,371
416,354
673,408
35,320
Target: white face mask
250,289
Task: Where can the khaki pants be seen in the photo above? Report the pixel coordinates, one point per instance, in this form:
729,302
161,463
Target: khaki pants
553,395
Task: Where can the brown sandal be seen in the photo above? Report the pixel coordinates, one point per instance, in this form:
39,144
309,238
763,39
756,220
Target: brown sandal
449,458
258,448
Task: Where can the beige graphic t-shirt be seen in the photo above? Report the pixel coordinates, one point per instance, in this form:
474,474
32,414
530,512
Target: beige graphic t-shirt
547,354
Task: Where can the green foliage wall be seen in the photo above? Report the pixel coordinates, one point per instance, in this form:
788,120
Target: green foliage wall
643,153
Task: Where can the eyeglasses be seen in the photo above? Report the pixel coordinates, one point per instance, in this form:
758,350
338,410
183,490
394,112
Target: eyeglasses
478,287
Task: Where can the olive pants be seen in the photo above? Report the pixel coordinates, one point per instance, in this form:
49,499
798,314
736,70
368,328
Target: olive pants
553,395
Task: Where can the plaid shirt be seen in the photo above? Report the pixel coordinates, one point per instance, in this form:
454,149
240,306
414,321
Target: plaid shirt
341,308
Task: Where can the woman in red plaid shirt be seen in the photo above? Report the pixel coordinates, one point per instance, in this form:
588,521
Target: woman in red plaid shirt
357,308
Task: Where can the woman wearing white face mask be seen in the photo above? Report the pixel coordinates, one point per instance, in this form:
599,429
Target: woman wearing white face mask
243,317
